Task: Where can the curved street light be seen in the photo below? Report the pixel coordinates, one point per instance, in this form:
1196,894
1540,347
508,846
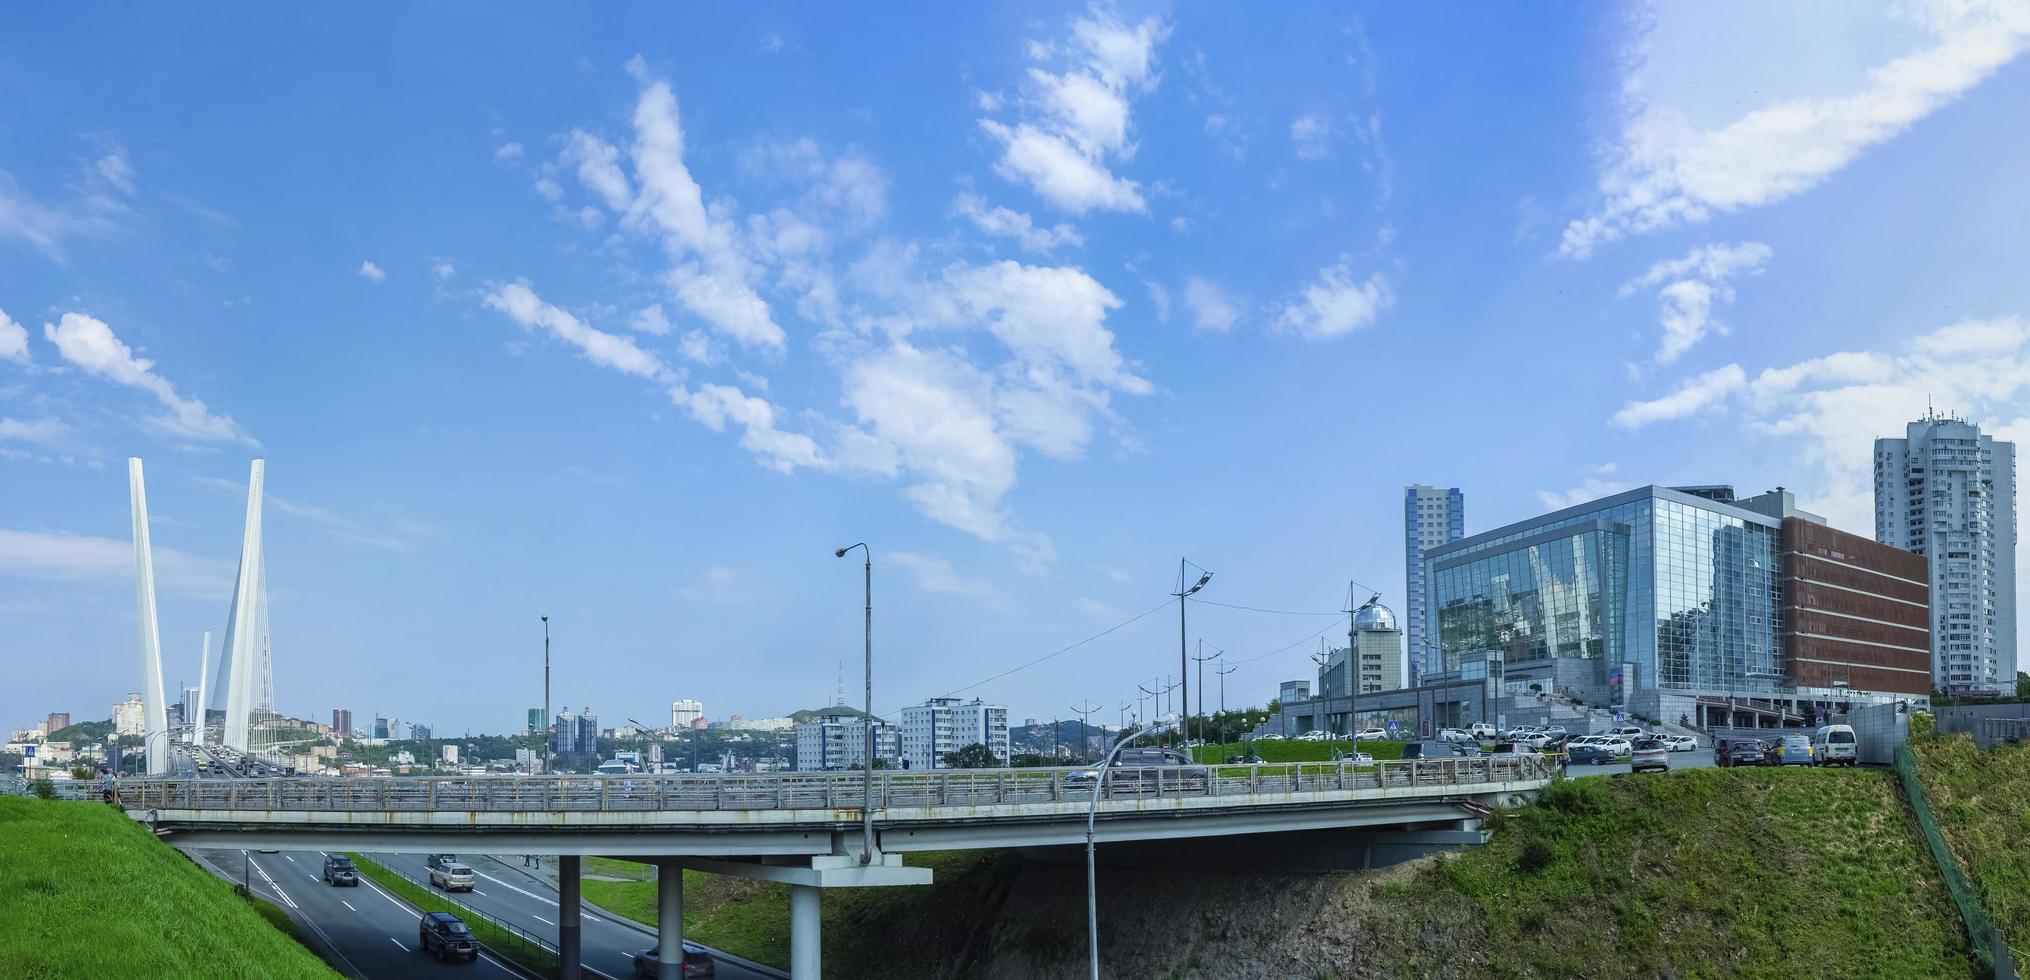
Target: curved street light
1092,907
1183,652
867,719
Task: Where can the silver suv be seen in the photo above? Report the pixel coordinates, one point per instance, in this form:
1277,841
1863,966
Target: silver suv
451,877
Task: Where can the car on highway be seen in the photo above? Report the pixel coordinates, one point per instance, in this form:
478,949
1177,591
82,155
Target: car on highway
451,878
435,861
1135,768
338,870
697,962
441,934
1589,753
1679,743
1647,754
1793,750
1371,735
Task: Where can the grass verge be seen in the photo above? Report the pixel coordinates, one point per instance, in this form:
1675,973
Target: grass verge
1981,798
86,891
494,937
1292,750
1697,873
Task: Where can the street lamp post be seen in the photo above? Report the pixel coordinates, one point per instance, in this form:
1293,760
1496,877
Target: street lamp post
866,720
1222,670
1200,660
1183,651
543,730
1085,736
1092,906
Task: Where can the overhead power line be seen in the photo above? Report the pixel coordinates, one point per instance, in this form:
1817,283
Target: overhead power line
1165,604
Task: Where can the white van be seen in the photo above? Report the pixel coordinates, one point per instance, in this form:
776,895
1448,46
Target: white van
1833,745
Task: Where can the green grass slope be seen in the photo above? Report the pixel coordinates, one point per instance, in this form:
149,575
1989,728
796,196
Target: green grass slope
1697,873
87,892
1981,798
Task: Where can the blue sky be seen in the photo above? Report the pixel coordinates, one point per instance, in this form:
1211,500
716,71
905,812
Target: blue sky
631,319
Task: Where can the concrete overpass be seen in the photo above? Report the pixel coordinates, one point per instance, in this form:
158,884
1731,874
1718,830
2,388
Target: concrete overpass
804,829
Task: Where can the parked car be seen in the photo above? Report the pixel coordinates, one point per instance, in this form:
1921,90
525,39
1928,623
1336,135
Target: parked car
1556,731
1481,730
1371,735
1679,743
1271,737
1454,735
1833,745
697,962
1360,759
1627,731
1315,735
1589,753
1793,750
1740,752
441,934
1535,740
1647,754
1430,750
338,870
451,878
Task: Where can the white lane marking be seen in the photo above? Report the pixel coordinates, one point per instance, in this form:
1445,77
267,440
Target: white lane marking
291,857
542,920
397,902
503,966
589,917
398,943
310,876
276,887
346,904
479,893
512,888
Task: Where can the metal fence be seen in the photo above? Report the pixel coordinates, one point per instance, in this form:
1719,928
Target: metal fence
818,790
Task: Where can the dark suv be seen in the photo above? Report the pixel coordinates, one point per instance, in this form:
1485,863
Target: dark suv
441,934
1739,752
338,870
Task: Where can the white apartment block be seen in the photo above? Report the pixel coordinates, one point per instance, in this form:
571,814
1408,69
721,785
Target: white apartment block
941,726
839,741
127,716
1432,516
1947,492
684,712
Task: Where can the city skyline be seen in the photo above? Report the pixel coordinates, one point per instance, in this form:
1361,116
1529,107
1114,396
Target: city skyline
633,333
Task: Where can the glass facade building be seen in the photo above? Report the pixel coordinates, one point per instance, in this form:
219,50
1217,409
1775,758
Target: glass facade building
1643,593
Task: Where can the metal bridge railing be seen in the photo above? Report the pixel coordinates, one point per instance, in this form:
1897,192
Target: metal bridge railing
818,791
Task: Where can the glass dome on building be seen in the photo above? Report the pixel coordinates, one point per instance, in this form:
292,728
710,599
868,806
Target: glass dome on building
1374,617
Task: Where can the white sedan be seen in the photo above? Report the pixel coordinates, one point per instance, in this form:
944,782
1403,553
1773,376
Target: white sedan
1679,743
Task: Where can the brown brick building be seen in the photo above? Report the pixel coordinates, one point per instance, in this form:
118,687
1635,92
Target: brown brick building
1855,613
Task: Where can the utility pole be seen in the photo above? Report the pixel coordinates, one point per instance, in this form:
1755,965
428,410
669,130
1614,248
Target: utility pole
1222,670
544,729
1141,703
1201,659
1183,650
1085,736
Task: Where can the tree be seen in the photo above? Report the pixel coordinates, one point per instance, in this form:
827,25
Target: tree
974,756
2022,686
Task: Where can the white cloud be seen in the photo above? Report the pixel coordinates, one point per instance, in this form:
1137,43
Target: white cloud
1691,287
598,165
93,208
549,189
1007,223
90,345
1226,133
1077,120
771,43
1050,317
508,152
1340,302
1691,397
711,276
1668,168
1211,308
1160,297
443,270
47,431
13,340
1595,482
77,557
929,406
371,272
520,303
397,540
650,320
715,405
932,574
1311,136
721,586
848,185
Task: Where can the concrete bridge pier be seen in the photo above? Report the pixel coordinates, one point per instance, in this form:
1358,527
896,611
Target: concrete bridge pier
570,961
670,923
806,932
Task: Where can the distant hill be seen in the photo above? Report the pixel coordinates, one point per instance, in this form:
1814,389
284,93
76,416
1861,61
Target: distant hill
84,731
811,714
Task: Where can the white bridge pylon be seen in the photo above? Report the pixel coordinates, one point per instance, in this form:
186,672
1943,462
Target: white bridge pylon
246,623
154,709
